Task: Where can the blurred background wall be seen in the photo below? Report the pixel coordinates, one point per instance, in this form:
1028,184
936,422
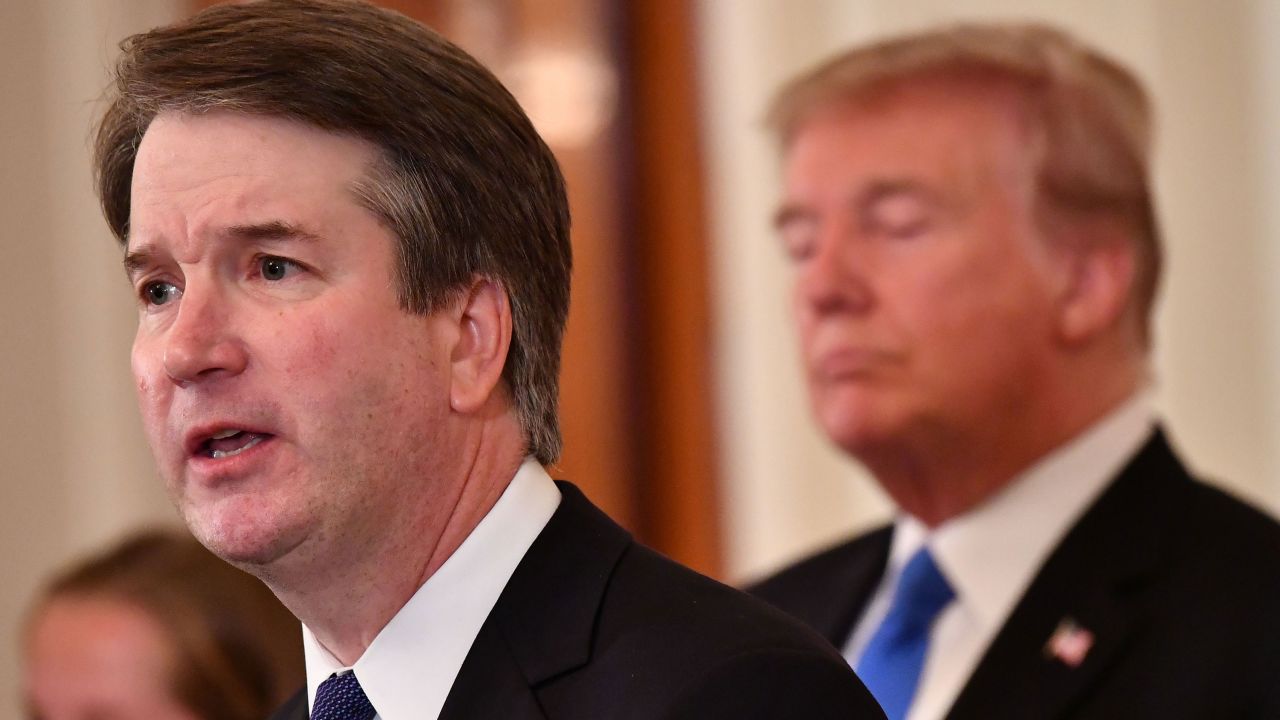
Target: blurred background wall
74,468
684,410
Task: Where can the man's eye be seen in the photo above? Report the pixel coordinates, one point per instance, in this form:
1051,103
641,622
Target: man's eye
159,292
900,216
275,268
797,245
798,238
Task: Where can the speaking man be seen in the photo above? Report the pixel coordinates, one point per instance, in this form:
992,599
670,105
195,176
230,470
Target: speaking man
351,259
968,218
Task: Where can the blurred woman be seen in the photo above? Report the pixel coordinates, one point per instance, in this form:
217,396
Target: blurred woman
159,628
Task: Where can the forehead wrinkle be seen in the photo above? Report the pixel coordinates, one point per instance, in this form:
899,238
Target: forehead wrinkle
185,210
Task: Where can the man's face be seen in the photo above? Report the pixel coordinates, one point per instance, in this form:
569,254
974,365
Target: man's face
921,287
289,402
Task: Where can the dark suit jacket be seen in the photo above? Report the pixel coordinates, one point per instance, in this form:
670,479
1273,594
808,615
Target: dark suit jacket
594,626
1179,584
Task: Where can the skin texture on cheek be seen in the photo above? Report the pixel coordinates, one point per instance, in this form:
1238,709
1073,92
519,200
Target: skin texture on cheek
361,442
150,386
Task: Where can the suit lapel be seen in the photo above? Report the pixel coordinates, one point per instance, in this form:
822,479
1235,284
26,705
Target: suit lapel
490,684
830,590
858,583
543,624
855,578
1084,605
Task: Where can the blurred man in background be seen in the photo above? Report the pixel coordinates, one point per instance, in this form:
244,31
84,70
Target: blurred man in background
968,216
351,255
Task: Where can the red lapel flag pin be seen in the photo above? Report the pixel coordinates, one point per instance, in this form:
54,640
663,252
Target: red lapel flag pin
1069,643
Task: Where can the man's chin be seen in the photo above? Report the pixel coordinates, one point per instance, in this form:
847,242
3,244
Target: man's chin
248,556
252,548
243,528
860,431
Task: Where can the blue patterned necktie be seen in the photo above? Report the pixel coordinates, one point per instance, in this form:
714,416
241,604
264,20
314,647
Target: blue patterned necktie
341,698
891,664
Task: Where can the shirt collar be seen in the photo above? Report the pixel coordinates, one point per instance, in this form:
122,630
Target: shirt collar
411,664
991,553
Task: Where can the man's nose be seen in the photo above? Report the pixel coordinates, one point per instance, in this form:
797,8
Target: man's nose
836,277
201,343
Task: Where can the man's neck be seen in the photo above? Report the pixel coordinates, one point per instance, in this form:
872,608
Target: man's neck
938,478
346,601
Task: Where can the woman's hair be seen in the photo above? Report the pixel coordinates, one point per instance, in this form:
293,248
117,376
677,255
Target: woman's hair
237,650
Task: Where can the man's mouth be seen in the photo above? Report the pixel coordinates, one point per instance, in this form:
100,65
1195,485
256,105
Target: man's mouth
229,443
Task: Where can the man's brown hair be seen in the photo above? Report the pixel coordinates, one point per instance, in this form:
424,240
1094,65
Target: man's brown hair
1089,119
235,648
463,179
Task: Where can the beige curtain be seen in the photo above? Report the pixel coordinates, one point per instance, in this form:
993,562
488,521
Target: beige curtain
74,468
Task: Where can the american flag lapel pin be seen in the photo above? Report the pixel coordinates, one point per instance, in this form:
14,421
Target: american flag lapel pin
1069,643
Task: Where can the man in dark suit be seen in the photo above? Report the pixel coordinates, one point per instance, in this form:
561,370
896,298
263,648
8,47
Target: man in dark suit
351,257
975,256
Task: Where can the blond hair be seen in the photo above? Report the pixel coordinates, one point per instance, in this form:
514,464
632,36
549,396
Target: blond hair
1089,118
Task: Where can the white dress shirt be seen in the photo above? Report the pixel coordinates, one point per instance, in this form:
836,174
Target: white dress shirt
408,669
990,554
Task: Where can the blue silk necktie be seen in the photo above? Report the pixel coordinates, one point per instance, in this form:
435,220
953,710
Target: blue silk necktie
341,698
891,664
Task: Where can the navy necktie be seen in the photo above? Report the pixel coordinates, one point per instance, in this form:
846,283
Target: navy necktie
341,698
891,664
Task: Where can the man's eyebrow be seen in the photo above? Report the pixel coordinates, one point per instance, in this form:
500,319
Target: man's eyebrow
135,261
866,198
787,214
270,230
889,188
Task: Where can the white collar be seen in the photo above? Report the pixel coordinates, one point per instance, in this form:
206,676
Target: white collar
991,553
410,666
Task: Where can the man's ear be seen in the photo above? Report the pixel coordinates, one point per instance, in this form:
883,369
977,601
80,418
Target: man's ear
484,337
1098,284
